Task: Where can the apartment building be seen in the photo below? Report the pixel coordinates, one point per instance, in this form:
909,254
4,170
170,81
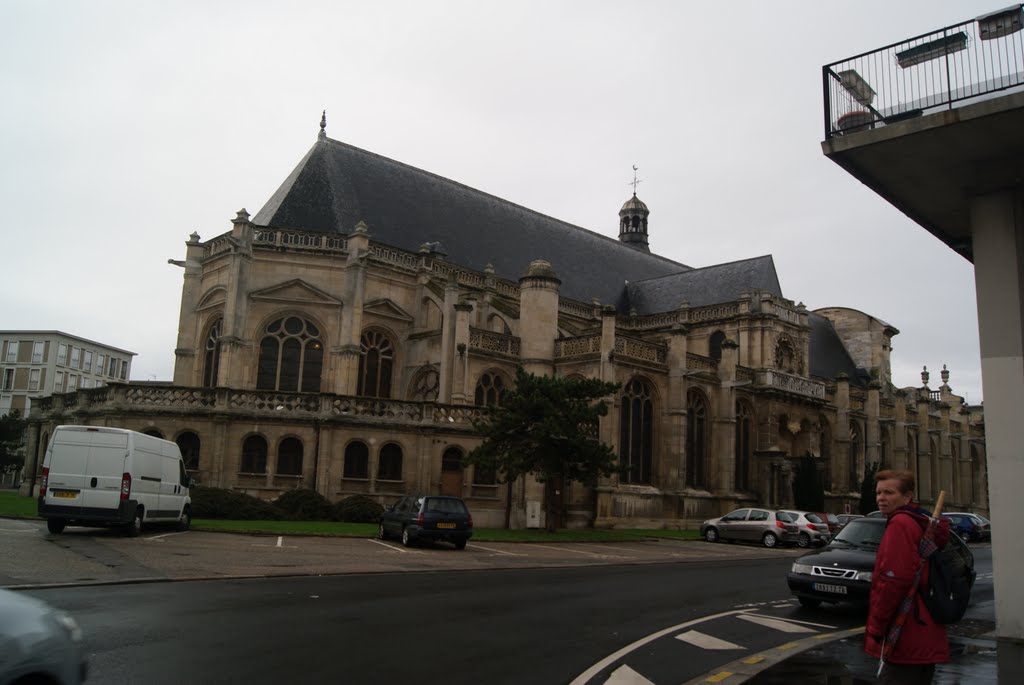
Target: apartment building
39,363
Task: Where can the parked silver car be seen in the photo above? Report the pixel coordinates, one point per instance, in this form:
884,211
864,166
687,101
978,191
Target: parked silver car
753,525
38,644
812,529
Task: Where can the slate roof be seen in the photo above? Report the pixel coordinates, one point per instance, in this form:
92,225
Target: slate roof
337,185
699,287
828,356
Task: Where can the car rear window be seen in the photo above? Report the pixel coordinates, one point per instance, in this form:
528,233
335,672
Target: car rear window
785,516
445,506
813,518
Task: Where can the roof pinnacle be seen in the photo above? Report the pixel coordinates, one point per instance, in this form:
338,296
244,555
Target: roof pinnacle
323,126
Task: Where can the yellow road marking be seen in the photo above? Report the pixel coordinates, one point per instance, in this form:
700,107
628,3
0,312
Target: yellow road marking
788,645
753,660
719,677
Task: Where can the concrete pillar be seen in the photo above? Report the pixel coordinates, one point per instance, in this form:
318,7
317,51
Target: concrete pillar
997,225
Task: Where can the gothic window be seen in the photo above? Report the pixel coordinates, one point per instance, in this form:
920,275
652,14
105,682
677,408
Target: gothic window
744,444
696,439
376,357
489,389
291,356
425,385
856,448
188,444
390,467
357,461
715,345
211,354
636,432
289,457
254,455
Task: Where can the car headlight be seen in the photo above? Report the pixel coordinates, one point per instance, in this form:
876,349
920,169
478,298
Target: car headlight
863,575
69,624
805,569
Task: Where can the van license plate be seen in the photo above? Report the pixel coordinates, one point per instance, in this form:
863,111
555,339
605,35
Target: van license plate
446,525
65,494
834,589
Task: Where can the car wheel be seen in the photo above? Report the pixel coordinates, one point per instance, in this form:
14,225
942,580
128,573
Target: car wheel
185,522
770,540
381,533
55,526
711,535
809,603
460,544
804,540
135,527
407,539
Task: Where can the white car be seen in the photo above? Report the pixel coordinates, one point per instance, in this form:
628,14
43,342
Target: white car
38,644
812,529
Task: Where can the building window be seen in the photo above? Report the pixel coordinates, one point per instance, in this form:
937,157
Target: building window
188,444
211,355
744,445
489,390
636,433
76,358
254,455
86,383
696,439
426,385
715,345
101,360
87,361
5,404
12,352
62,354
37,352
72,382
291,356
124,370
289,457
483,475
58,381
112,365
390,467
357,461
8,379
376,357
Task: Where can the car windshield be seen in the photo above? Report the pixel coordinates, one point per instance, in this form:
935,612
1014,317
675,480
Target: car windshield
860,533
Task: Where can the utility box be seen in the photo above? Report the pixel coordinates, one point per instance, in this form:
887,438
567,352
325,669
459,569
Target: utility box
533,512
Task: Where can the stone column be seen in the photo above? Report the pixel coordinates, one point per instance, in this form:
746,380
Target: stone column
842,437
900,446
723,436
449,358
872,429
346,355
538,317
675,411
923,467
189,348
461,392
234,367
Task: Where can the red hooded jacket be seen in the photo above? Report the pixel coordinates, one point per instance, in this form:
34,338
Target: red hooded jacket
922,641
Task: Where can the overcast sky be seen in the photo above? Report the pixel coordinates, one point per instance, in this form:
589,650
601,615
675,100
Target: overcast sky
127,125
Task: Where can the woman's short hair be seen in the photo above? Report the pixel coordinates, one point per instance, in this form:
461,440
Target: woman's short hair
904,477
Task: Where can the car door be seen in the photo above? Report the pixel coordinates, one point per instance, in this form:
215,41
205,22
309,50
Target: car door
392,520
757,524
731,525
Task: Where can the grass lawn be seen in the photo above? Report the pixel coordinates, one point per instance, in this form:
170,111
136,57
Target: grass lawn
14,506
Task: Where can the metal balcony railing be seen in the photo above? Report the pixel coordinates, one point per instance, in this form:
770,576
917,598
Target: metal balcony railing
967,61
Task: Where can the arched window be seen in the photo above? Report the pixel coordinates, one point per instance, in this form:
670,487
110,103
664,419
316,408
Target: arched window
636,432
211,355
155,432
696,439
188,444
856,449
291,356
254,455
289,457
425,385
451,472
357,461
715,345
744,444
376,358
489,389
390,466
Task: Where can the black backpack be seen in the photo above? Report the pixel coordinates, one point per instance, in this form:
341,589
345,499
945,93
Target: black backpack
950,579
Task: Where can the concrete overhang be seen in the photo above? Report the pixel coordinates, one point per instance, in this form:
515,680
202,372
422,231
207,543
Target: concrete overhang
930,166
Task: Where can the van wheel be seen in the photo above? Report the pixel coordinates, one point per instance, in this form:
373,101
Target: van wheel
185,522
55,526
135,527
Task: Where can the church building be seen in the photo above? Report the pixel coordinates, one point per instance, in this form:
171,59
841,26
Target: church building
344,338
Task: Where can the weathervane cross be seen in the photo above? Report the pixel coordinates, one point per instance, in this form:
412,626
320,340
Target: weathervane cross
635,180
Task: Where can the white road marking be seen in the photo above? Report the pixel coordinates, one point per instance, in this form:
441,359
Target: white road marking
604,663
776,624
392,547
17,530
496,551
580,551
705,641
165,535
624,675
279,544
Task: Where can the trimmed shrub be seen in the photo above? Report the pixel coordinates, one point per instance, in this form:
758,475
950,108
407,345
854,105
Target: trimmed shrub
358,509
304,504
217,503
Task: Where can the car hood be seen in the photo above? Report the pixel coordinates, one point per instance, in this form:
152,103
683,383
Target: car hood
854,558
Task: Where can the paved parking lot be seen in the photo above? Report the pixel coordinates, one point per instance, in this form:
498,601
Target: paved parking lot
89,555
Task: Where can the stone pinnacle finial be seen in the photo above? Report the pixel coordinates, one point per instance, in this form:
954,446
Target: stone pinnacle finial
924,376
323,126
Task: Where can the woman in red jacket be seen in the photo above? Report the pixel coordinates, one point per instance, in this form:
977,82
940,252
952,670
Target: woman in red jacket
922,643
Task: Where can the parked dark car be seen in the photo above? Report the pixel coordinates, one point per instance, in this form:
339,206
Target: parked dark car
38,643
753,525
427,518
841,571
846,518
969,526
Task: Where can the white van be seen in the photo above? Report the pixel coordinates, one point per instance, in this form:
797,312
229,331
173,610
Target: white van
95,476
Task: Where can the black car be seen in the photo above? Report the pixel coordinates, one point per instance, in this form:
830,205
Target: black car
841,571
427,518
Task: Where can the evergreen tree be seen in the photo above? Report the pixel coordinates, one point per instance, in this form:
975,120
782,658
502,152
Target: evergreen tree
808,494
868,503
12,435
546,427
